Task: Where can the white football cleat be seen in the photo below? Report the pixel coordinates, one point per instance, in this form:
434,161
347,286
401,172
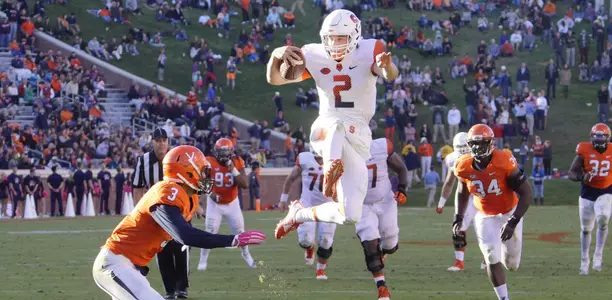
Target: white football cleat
321,275
288,224
597,262
202,266
249,260
457,267
584,266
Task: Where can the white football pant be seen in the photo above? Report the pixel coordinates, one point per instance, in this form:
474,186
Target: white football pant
592,211
215,214
324,232
470,213
349,141
117,276
488,232
379,221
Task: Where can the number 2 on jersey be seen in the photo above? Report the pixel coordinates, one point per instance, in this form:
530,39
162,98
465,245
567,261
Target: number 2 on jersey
600,168
314,180
492,189
345,84
374,169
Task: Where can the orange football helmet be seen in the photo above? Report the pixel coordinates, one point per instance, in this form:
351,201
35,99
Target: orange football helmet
480,140
600,136
224,149
188,165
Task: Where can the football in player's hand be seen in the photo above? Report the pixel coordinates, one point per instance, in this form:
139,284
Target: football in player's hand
291,69
587,177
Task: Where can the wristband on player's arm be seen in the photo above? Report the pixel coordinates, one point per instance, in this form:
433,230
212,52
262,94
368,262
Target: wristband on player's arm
284,198
513,221
441,202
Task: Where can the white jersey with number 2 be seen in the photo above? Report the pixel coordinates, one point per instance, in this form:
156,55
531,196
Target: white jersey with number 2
379,185
346,88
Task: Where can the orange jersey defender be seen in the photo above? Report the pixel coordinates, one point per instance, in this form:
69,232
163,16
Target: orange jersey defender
596,163
225,185
138,237
492,195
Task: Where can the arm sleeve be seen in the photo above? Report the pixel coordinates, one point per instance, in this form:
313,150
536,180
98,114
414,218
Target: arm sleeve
170,219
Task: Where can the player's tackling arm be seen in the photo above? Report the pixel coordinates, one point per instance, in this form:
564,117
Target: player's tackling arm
293,176
447,189
171,220
396,163
273,74
518,183
576,169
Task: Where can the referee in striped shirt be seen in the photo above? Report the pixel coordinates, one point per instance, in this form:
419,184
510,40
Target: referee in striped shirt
173,263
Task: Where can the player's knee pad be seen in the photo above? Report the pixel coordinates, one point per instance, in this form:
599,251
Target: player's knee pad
602,222
390,244
585,232
511,263
460,241
325,253
325,242
390,250
305,241
373,255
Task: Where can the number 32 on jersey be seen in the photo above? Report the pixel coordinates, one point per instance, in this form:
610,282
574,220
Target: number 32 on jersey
600,168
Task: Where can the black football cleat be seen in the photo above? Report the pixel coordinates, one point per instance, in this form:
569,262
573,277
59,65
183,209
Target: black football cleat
170,296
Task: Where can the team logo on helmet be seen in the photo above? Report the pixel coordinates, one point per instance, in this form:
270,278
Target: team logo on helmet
354,19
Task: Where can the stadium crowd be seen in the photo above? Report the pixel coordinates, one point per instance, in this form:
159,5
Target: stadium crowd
71,127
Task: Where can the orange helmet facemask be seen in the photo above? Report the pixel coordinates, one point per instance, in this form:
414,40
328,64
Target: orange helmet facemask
188,165
224,150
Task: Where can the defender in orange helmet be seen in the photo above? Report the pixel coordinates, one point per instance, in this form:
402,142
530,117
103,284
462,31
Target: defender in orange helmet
161,215
591,167
494,179
227,172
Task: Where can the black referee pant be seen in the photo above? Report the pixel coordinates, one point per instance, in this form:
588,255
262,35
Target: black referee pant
174,267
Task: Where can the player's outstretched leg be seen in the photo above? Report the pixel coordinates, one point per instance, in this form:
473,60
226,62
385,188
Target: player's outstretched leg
325,241
332,156
329,212
306,234
602,211
374,262
459,242
587,223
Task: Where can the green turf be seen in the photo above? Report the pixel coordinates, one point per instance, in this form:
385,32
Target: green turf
569,120
58,266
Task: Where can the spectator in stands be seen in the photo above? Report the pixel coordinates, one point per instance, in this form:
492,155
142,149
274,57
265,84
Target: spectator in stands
426,153
255,134
265,135
216,111
603,107
280,123
453,119
161,64
431,179
278,101
522,78
261,157
551,73
274,18
5,32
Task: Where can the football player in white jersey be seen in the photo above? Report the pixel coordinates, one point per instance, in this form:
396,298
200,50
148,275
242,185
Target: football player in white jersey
377,229
309,170
460,148
345,68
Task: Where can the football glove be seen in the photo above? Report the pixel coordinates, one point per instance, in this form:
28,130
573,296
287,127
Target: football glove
253,237
400,195
459,240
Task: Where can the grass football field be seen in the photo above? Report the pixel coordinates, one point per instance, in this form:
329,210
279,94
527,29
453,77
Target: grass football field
51,259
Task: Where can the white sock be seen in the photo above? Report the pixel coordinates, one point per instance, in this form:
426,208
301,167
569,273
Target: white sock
585,244
327,213
379,278
600,242
246,255
459,255
501,291
204,255
321,266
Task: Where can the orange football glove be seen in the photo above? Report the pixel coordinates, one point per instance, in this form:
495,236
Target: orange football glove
439,209
400,195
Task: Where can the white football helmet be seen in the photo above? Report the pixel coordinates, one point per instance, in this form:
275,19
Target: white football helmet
460,143
340,22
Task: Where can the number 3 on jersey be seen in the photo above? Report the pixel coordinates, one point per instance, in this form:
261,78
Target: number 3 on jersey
493,188
344,83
